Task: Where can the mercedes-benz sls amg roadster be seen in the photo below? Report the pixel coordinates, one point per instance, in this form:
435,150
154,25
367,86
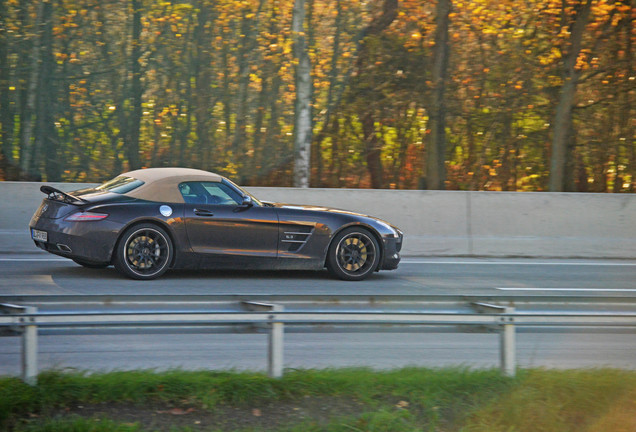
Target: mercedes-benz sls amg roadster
145,222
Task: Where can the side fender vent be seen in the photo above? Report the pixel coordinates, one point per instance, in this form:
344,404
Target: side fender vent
296,238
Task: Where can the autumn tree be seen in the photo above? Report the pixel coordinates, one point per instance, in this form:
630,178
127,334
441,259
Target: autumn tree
562,132
436,151
537,94
6,108
303,117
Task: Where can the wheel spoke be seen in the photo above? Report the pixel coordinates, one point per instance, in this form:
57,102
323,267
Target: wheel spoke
147,251
355,253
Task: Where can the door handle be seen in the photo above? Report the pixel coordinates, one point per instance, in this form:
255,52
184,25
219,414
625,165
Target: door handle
202,212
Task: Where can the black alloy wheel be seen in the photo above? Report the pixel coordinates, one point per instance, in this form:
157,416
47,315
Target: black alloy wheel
144,252
354,254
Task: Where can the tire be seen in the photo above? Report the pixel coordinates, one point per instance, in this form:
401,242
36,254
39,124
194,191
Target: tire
144,252
353,255
90,264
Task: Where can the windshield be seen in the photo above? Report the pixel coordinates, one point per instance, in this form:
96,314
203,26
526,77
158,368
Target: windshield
244,192
120,185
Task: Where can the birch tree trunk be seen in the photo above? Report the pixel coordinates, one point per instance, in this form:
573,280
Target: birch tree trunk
302,125
562,134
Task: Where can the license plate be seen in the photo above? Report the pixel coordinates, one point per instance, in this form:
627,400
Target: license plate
39,235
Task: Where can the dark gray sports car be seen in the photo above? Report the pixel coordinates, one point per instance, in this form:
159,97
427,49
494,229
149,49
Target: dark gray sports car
147,221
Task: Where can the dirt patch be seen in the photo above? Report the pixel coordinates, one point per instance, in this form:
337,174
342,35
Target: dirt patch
158,417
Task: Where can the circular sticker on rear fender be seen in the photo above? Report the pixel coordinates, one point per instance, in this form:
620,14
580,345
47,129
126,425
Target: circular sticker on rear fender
165,210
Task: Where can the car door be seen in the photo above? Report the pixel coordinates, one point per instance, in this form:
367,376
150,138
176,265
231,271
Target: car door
218,224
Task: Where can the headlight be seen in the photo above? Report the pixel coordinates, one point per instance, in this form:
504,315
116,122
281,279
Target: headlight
388,227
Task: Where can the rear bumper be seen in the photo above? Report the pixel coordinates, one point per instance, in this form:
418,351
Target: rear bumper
89,241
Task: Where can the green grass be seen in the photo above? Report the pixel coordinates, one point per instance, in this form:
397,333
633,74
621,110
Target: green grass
411,399
80,425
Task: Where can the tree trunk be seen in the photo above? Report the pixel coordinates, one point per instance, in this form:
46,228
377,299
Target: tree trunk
272,137
28,169
303,121
227,91
333,82
6,111
267,143
263,151
373,150
115,80
561,139
47,140
136,91
201,66
506,139
627,126
436,154
373,147
240,124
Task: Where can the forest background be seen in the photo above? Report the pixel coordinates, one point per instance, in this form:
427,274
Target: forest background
518,95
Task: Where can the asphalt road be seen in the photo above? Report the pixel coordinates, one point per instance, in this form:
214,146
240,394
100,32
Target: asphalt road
45,274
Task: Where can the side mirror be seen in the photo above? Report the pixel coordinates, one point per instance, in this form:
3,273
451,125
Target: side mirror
247,202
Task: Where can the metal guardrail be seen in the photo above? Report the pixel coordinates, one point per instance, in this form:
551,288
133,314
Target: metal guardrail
30,315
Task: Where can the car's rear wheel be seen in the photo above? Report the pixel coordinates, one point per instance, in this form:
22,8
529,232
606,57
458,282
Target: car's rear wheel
90,264
353,255
144,252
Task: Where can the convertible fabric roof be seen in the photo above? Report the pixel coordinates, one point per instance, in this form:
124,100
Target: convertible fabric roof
162,184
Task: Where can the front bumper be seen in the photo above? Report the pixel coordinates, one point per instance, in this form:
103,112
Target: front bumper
392,248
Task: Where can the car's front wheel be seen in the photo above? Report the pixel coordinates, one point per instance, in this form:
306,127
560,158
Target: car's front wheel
144,252
353,255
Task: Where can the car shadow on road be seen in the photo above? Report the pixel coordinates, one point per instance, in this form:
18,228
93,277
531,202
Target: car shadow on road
111,274
247,274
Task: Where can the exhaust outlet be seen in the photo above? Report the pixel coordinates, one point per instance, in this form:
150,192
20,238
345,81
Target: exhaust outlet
64,248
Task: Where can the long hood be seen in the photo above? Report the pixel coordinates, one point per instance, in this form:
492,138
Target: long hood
382,226
318,209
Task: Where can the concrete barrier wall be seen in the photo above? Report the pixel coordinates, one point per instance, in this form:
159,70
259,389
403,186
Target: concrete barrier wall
436,223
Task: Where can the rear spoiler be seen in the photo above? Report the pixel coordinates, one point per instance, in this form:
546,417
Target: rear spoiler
56,194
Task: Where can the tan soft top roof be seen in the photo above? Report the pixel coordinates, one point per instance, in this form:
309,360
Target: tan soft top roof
162,184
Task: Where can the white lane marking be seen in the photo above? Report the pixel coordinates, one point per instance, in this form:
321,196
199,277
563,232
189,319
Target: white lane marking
571,289
33,259
513,263
418,261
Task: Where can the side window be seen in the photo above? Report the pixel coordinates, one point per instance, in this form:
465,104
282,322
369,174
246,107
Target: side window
221,194
209,193
190,195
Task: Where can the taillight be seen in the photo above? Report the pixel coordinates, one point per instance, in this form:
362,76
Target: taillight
86,217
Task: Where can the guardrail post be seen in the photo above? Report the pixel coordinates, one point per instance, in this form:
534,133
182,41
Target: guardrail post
507,341
275,338
508,349
30,348
275,346
29,332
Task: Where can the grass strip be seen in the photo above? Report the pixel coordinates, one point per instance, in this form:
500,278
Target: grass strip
410,399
